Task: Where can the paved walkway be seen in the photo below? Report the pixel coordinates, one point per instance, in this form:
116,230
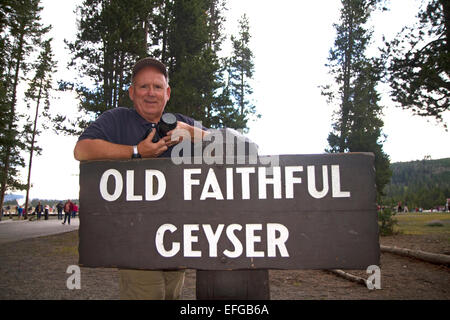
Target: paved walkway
15,230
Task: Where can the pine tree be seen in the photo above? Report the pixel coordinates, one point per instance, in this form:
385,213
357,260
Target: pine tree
112,35
21,32
194,67
38,92
241,68
185,34
161,20
344,62
358,124
192,36
365,122
419,68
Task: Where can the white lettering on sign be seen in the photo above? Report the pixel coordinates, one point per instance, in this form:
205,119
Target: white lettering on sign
237,245
251,239
188,239
273,242
211,182
312,182
230,195
213,238
130,187
263,181
245,180
211,188
104,185
290,180
150,176
189,182
159,241
276,236
318,185
336,183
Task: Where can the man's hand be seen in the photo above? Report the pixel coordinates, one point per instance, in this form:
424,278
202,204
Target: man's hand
149,149
184,131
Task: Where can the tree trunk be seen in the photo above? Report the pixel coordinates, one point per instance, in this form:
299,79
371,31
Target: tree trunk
164,55
115,80
348,276
31,151
435,258
346,93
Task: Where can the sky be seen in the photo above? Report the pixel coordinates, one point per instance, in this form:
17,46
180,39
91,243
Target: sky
290,43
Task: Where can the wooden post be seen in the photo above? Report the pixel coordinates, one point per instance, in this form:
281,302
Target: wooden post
233,285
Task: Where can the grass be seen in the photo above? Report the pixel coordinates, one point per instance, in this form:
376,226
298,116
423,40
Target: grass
423,223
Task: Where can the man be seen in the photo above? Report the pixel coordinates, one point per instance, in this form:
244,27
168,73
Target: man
75,210
46,211
59,208
120,134
39,209
20,211
68,208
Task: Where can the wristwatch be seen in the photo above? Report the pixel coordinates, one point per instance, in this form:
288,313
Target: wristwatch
135,153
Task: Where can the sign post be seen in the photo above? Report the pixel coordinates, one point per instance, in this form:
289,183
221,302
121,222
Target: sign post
303,212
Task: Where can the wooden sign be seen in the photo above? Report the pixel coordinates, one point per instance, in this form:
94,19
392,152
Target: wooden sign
305,212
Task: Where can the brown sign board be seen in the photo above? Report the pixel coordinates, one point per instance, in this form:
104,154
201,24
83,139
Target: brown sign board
304,212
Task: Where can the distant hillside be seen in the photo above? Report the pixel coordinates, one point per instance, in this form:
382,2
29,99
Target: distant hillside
421,183
12,197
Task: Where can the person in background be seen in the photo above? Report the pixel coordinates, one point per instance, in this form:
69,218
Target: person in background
405,208
75,210
20,212
68,208
39,210
46,212
399,207
59,209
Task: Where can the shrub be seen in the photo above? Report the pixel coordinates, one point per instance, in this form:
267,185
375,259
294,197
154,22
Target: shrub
386,221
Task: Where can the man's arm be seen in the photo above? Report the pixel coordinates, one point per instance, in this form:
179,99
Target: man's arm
98,149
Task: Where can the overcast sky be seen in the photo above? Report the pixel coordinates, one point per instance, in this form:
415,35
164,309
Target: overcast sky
290,42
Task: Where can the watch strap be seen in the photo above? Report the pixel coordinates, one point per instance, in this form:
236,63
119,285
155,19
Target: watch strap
135,153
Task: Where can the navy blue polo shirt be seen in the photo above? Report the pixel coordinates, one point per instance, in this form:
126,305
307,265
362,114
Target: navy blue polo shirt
125,126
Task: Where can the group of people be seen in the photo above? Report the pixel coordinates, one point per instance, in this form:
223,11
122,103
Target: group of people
403,208
40,210
69,208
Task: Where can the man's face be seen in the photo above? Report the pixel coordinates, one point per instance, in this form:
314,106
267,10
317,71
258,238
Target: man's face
149,93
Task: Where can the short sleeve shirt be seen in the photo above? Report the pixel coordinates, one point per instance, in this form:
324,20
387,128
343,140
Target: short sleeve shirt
125,126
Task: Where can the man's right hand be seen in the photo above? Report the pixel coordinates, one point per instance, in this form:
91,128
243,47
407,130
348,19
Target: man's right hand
149,149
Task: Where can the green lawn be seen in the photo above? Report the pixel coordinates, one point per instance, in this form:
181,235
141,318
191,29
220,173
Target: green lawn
417,223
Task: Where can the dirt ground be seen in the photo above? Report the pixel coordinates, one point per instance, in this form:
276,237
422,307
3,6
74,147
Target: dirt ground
36,269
